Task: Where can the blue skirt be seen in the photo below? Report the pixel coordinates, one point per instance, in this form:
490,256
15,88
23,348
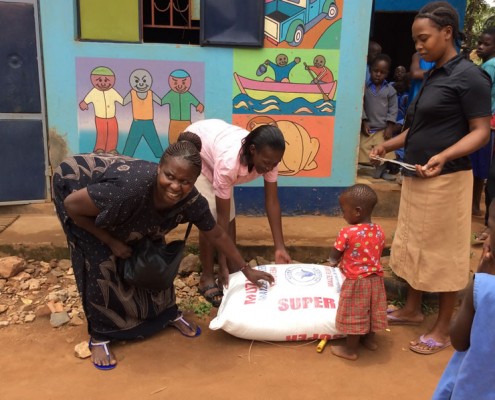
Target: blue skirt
481,159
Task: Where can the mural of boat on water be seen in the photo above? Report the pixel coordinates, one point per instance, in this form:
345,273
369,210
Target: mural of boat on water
262,89
282,98
295,90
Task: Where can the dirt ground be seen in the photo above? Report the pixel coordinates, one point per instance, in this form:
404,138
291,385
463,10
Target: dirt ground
38,362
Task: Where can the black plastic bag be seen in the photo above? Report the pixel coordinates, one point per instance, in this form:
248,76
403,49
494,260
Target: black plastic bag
153,265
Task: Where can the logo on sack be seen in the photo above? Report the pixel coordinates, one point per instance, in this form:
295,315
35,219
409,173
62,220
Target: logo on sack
303,275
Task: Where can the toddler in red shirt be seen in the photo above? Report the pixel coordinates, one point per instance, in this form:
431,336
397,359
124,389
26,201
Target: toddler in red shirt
363,302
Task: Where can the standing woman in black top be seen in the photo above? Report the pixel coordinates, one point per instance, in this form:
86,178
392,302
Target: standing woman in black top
449,120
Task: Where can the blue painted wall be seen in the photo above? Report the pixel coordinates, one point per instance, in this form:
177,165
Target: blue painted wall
415,5
298,195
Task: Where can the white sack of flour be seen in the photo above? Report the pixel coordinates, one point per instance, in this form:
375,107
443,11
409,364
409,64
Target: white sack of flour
302,305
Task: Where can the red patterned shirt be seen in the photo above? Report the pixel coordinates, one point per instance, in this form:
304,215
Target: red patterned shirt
361,246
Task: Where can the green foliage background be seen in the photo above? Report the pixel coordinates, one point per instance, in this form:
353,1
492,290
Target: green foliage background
479,16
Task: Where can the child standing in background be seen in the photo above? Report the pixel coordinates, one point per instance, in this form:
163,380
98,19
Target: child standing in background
373,50
357,250
401,86
379,112
483,167
419,67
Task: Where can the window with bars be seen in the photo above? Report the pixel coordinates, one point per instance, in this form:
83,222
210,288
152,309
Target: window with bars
170,21
226,22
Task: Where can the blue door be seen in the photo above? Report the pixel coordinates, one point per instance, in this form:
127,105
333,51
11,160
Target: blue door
23,144
314,10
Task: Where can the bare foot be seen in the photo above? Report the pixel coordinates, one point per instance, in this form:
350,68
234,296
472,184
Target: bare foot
369,341
343,352
101,355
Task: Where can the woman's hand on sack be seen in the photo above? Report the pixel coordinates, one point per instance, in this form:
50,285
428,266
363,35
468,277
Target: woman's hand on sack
282,257
432,168
120,249
256,276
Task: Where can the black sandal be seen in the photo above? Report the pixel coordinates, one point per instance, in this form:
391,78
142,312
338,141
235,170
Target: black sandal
212,296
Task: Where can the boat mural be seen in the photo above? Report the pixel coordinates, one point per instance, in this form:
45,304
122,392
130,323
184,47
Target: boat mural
286,91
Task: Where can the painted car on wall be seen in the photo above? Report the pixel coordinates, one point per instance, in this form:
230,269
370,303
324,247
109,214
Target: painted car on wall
289,20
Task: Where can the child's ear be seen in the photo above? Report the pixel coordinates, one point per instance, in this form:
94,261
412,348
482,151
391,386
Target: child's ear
358,210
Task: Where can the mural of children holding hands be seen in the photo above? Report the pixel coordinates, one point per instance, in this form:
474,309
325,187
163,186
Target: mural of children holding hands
180,99
103,97
282,68
143,126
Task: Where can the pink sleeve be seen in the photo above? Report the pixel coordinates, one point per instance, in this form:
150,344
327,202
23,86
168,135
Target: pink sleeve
223,179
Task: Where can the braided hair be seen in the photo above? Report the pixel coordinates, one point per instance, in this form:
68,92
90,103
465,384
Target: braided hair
187,147
262,136
443,14
361,195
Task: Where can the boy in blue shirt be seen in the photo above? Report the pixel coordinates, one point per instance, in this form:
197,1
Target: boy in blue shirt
379,112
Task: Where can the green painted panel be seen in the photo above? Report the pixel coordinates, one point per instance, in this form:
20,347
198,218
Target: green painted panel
114,20
195,9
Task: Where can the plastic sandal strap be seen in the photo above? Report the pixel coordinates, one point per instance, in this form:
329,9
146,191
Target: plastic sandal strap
181,319
103,344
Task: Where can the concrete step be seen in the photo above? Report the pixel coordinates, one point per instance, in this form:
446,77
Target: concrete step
388,199
46,208
37,234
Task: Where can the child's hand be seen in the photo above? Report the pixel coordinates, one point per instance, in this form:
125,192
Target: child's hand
487,262
389,130
365,128
332,263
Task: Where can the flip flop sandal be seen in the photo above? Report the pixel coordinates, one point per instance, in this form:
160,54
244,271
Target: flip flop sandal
107,352
480,238
181,319
211,297
432,346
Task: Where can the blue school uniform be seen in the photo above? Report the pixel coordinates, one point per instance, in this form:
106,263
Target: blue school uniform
469,374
